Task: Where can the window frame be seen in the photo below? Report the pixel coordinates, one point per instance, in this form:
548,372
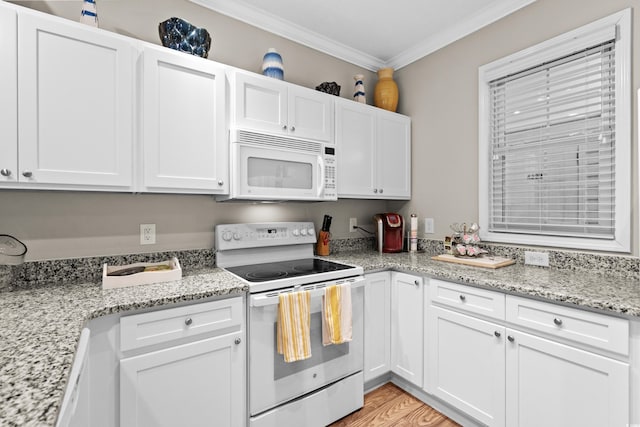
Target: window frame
554,48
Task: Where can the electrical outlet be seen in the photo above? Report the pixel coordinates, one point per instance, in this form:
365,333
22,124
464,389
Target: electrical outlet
147,234
353,224
428,226
540,259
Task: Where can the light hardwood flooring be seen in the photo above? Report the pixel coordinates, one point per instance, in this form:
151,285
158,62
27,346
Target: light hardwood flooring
389,406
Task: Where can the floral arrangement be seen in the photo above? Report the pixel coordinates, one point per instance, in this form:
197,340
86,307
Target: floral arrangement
464,240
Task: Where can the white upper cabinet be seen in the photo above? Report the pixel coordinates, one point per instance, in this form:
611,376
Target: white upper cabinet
9,97
374,152
184,131
270,105
75,115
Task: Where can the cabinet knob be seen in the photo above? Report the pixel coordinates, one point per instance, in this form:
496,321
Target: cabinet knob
27,174
557,321
5,172
510,338
293,128
188,321
463,298
220,183
284,127
381,190
375,190
497,334
416,282
237,341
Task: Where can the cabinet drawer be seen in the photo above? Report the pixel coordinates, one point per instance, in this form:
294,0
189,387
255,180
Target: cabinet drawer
140,330
597,330
467,298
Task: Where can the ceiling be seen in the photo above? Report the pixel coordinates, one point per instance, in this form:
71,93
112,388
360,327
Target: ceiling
369,33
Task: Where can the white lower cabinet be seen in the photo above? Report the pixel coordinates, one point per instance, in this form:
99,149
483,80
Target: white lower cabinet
407,310
195,384
552,384
377,321
466,364
483,366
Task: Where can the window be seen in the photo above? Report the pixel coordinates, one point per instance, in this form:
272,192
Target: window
555,130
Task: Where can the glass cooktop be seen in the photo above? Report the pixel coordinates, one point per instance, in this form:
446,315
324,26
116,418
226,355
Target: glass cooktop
285,269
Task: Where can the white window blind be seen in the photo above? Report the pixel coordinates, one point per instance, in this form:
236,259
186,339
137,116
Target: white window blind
552,147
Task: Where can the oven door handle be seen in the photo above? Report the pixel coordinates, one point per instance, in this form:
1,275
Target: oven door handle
272,298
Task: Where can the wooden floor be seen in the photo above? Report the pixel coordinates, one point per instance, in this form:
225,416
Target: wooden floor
390,406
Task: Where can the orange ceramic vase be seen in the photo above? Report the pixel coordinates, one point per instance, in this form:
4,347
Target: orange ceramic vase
385,94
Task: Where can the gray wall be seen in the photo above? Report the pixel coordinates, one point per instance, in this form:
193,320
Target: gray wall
439,92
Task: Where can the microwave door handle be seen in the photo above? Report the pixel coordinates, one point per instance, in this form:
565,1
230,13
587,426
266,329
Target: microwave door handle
321,183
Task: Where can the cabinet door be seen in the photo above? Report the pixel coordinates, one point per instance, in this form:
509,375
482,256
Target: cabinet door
310,114
196,384
551,384
260,103
466,364
407,326
355,146
377,325
185,145
76,98
393,142
9,97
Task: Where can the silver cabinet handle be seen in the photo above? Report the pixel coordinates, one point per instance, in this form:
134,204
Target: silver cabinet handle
237,341
284,127
220,183
27,174
463,298
188,321
381,190
557,321
5,172
375,190
293,128
497,334
510,338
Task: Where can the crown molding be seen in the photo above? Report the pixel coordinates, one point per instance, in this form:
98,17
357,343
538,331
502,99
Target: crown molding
284,28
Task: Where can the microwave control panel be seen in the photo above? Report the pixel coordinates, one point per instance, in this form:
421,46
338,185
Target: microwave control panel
330,187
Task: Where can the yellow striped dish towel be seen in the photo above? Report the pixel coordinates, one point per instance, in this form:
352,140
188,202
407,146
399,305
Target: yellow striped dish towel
293,330
337,323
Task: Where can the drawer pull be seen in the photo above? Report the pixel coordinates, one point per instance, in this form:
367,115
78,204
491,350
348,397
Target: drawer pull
557,321
188,321
497,334
5,172
416,282
463,298
510,338
237,341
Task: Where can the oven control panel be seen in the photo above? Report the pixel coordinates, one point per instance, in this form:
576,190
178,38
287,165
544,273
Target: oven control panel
241,236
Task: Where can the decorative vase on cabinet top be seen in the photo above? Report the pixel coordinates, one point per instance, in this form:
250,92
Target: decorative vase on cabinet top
89,13
358,92
385,94
272,64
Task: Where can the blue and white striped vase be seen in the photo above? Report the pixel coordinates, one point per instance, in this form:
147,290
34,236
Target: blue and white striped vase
358,94
89,14
272,64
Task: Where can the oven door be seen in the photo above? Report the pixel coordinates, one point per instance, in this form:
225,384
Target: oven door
276,174
272,381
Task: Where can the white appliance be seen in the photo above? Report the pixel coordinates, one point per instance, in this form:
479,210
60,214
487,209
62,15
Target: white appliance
272,167
274,258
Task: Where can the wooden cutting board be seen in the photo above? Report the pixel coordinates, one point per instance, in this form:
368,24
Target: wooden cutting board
486,262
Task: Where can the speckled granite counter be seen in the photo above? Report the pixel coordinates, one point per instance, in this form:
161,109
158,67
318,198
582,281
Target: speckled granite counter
40,327
613,294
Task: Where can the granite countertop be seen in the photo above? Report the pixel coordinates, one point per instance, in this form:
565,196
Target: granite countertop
608,293
40,327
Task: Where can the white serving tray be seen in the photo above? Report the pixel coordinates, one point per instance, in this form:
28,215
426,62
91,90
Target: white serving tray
142,278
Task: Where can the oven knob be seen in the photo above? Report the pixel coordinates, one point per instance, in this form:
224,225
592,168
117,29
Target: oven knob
295,232
236,236
310,231
226,235
303,232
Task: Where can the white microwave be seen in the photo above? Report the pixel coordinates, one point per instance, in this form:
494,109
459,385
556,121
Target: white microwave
272,167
